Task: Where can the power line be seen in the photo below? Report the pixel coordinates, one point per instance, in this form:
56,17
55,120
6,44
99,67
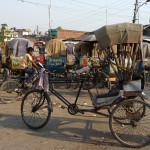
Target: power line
78,3
33,3
48,6
90,21
90,4
86,18
83,14
94,13
86,13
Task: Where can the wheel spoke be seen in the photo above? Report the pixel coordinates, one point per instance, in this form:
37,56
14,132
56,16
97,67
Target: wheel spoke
35,109
129,123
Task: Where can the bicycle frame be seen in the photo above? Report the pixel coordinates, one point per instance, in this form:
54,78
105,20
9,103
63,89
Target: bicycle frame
64,100
73,107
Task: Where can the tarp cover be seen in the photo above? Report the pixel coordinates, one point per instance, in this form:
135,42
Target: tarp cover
146,50
55,47
20,46
146,54
118,33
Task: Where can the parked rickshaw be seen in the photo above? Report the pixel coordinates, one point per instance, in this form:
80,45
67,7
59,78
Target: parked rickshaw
129,119
13,54
55,60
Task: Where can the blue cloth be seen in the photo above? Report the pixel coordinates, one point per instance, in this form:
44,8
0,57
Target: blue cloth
19,46
30,72
140,68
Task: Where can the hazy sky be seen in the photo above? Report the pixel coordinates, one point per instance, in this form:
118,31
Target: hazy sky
82,15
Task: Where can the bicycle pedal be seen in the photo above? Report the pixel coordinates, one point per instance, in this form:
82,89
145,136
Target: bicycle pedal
62,106
80,111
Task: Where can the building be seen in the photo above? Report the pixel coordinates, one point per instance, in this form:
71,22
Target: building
16,33
10,34
146,31
63,34
23,32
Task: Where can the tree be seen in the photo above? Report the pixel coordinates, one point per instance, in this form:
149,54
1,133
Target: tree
2,33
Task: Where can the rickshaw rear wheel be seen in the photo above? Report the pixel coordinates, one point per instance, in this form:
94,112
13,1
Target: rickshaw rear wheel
129,123
135,97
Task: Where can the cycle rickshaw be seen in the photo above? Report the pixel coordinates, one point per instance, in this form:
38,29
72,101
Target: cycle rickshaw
129,119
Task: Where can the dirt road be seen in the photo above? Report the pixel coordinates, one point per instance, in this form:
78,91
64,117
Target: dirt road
63,131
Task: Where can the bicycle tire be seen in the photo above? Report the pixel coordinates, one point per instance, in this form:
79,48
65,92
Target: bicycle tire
127,108
103,84
134,119
8,92
111,108
68,80
75,83
71,81
88,83
36,108
5,74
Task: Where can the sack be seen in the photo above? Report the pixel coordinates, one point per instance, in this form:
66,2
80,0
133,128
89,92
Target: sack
146,64
4,59
84,61
70,59
43,82
15,63
83,70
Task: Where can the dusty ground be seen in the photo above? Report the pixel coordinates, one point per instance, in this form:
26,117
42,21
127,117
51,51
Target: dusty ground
63,131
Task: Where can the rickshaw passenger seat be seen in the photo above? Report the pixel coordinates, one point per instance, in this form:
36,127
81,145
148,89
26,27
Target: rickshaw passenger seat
109,94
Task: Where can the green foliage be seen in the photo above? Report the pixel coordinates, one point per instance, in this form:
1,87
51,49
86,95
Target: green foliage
2,37
2,33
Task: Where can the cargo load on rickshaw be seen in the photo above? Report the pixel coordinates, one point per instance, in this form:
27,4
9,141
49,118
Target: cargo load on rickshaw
56,55
16,50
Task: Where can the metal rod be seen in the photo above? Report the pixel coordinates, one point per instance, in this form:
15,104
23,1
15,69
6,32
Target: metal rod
49,14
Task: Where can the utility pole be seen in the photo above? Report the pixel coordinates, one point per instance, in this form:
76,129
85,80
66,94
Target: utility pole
49,16
48,6
106,12
135,11
37,29
49,13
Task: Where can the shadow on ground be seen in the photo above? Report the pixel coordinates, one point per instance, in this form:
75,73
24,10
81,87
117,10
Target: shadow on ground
73,129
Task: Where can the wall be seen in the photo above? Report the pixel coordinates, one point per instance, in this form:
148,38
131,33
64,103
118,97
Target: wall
66,34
